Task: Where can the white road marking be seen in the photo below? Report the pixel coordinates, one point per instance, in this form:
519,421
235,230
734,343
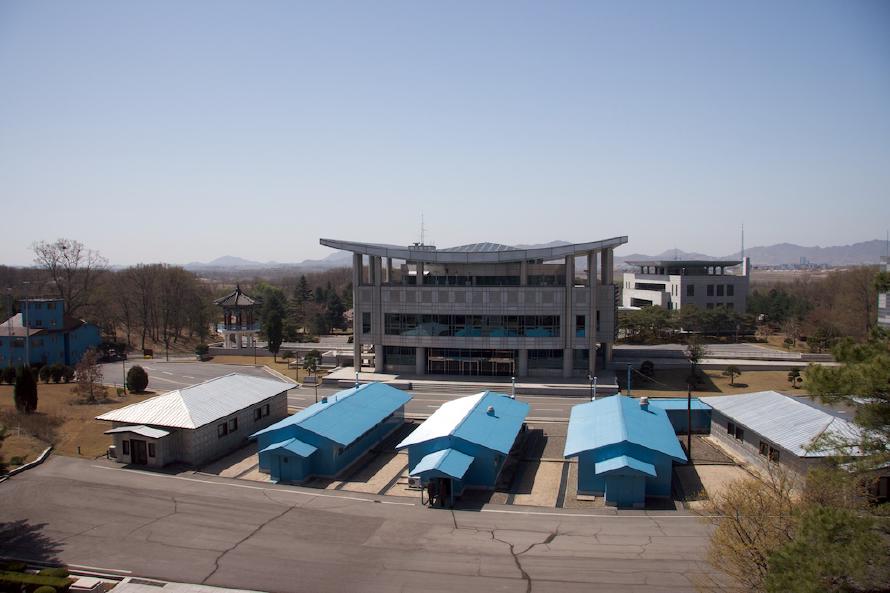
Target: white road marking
136,471
101,569
167,372
188,377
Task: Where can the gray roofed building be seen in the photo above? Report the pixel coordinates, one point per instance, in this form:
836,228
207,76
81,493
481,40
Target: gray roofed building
483,308
196,424
767,425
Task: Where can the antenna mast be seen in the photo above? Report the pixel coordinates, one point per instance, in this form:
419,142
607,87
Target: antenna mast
422,229
742,252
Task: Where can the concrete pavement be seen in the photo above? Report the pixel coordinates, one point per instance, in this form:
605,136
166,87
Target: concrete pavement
195,529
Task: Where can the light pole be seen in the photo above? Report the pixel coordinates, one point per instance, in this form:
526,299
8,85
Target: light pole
9,322
592,387
628,380
513,388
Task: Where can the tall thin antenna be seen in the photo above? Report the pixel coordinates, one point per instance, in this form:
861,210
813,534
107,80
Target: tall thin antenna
742,252
888,243
422,229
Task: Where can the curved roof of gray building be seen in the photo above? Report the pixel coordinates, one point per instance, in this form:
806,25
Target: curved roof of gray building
473,253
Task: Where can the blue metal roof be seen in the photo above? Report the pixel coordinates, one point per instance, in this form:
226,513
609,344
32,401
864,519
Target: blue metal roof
447,462
618,419
295,446
346,415
677,403
623,464
468,418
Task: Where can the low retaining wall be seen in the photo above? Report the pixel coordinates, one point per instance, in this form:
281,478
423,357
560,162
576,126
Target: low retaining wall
40,459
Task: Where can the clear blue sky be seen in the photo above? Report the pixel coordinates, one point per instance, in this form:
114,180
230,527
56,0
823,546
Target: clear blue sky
181,131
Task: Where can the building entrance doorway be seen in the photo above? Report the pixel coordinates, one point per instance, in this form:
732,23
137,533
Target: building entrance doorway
492,363
138,452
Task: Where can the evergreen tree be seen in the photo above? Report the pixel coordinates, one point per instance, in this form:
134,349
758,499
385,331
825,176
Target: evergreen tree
334,310
137,379
25,391
272,314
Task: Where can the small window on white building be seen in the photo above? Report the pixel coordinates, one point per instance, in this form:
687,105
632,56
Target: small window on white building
126,445
233,425
222,430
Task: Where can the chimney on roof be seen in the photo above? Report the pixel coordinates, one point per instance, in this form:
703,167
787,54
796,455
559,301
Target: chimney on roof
644,403
490,410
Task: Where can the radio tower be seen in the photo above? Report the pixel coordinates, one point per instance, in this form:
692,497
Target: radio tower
742,252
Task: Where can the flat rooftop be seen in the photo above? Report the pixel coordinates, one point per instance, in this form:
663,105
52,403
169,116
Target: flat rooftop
685,263
472,253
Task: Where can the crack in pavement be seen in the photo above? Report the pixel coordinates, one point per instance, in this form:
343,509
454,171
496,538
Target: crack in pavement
244,539
156,519
525,575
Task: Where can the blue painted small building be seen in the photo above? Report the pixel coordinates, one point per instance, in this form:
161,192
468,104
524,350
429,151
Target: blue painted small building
466,441
626,449
44,330
676,408
329,436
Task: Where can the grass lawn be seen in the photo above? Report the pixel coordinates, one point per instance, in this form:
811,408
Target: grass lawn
280,365
672,383
59,419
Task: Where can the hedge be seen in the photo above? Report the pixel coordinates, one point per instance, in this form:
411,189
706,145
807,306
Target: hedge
22,581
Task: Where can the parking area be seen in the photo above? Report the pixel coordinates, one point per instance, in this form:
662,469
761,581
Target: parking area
534,475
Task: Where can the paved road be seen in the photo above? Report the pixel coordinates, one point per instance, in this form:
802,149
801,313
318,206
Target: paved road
166,376
197,529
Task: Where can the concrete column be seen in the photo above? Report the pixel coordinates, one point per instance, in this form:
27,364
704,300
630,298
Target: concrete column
356,315
523,362
377,313
568,316
419,273
523,273
420,361
592,286
387,274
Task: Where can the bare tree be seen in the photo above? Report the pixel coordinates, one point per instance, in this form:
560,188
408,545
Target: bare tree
88,377
72,267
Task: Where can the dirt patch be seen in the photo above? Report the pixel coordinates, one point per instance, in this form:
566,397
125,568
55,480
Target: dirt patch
672,383
63,421
19,449
279,365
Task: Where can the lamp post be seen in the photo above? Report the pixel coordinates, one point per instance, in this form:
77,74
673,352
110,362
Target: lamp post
592,387
628,380
513,388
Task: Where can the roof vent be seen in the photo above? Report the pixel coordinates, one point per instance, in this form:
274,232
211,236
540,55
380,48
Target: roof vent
490,410
324,399
644,402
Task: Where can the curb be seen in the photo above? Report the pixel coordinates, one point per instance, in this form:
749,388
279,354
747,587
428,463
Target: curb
40,459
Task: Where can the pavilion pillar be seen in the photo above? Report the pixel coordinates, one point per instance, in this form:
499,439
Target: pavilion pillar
568,321
592,288
420,361
357,265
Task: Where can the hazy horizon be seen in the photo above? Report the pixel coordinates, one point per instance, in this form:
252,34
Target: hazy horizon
183,132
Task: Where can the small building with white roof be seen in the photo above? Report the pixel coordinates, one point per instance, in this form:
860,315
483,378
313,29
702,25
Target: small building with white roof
465,442
768,426
196,424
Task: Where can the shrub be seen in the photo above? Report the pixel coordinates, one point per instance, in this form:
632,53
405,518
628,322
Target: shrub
17,460
67,373
202,349
137,379
25,391
8,375
44,374
44,588
13,566
55,372
54,571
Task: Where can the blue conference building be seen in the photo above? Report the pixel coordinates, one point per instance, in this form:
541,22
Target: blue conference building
41,333
465,443
329,436
626,449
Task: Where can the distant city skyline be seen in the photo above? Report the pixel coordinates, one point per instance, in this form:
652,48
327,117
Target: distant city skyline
181,132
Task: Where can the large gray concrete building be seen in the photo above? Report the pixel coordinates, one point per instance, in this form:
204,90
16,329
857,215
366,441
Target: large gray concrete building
674,284
484,309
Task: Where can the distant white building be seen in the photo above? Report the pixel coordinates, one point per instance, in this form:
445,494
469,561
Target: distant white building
674,284
196,424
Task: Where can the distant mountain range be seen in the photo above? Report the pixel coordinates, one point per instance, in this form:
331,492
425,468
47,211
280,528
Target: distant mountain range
867,252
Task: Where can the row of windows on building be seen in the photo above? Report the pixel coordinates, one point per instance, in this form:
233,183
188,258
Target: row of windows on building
537,359
710,289
467,326
225,428
764,448
126,446
533,280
